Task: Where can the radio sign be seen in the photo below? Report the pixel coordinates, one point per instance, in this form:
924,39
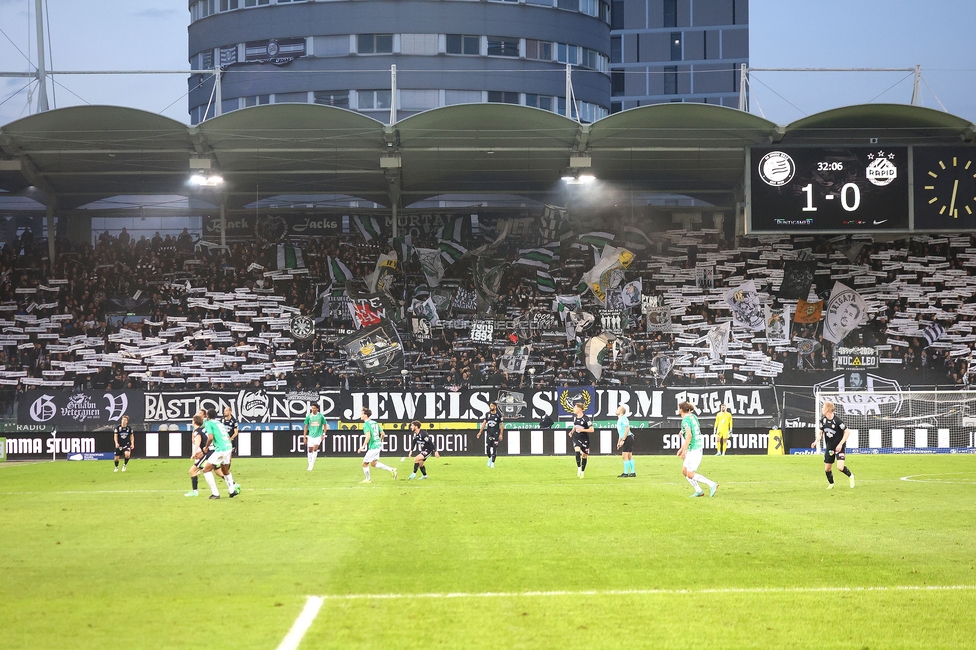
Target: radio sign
855,358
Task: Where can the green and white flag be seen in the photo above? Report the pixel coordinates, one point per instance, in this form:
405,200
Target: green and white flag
338,272
368,227
595,239
540,258
545,282
451,251
430,262
289,257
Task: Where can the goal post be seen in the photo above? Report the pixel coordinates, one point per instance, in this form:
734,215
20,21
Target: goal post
905,422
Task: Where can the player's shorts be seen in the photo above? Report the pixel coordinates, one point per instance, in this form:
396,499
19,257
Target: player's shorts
491,441
120,450
693,458
371,455
583,442
628,446
425,452
200,462
830,456
218,458
314,442
723,434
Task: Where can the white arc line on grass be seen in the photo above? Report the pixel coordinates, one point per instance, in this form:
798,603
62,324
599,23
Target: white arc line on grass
648,592
302,623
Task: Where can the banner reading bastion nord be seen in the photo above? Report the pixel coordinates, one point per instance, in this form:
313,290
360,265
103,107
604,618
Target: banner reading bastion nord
753,406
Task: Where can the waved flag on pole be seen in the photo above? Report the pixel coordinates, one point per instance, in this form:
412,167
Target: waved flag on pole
843,313
339,273
608,272
368,227
718,340
808,312
746,307
382,277
430,262
289,257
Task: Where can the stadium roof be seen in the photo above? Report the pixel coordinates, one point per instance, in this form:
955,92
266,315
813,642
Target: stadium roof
73,156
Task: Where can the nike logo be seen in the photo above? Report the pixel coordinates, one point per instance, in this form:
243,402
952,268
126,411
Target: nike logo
878,223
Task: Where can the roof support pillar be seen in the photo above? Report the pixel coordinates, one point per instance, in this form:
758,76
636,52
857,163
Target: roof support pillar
223,221
51,234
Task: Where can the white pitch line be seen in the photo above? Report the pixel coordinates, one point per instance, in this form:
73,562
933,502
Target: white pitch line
302,623
648,592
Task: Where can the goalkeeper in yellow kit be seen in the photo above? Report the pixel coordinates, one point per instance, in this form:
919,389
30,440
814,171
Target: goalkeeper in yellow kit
723,429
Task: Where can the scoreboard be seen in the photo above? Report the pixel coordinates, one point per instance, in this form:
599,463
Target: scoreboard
824,189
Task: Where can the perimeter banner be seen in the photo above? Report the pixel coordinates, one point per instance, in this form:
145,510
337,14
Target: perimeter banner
755,404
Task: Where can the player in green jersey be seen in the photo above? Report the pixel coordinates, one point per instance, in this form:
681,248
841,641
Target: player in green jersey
625,443
692,449
220,458
315,427
372,445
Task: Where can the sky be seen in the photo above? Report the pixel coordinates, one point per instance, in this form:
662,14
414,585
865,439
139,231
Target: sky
151,35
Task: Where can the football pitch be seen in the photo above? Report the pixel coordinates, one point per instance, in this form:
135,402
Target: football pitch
525,555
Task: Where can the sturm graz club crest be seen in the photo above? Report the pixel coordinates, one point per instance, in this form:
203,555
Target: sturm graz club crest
569,397
510,403
302,327
253,406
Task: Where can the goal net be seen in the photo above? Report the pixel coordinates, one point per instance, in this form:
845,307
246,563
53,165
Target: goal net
905,422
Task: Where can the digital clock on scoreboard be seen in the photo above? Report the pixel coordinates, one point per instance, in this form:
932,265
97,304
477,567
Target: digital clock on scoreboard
811,189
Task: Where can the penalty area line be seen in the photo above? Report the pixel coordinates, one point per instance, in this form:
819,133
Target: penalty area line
648,592
302,623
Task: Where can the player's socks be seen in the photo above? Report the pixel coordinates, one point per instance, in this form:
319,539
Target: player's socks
382,466
583,463
830,477
366,472
208,477
694,484
416,466
195,481
125,462
312,455
423,470
578,458
116,463
845,471
710,483
229,479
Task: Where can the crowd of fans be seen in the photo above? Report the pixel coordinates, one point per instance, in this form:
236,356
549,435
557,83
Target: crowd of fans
91,294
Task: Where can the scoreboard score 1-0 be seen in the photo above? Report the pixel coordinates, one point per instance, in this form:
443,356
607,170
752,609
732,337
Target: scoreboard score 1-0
828,189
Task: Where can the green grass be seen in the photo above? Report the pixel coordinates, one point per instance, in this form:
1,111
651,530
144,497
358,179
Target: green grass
94,559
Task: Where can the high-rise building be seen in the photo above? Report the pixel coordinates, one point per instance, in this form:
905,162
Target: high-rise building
677,51
340,53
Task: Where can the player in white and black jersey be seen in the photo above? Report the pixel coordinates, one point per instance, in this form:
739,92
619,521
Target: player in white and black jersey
580,433
230,423
422,446
834,434
125,443
200,449
494,429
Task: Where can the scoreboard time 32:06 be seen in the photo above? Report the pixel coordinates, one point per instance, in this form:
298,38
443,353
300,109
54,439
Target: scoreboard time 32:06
810,189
